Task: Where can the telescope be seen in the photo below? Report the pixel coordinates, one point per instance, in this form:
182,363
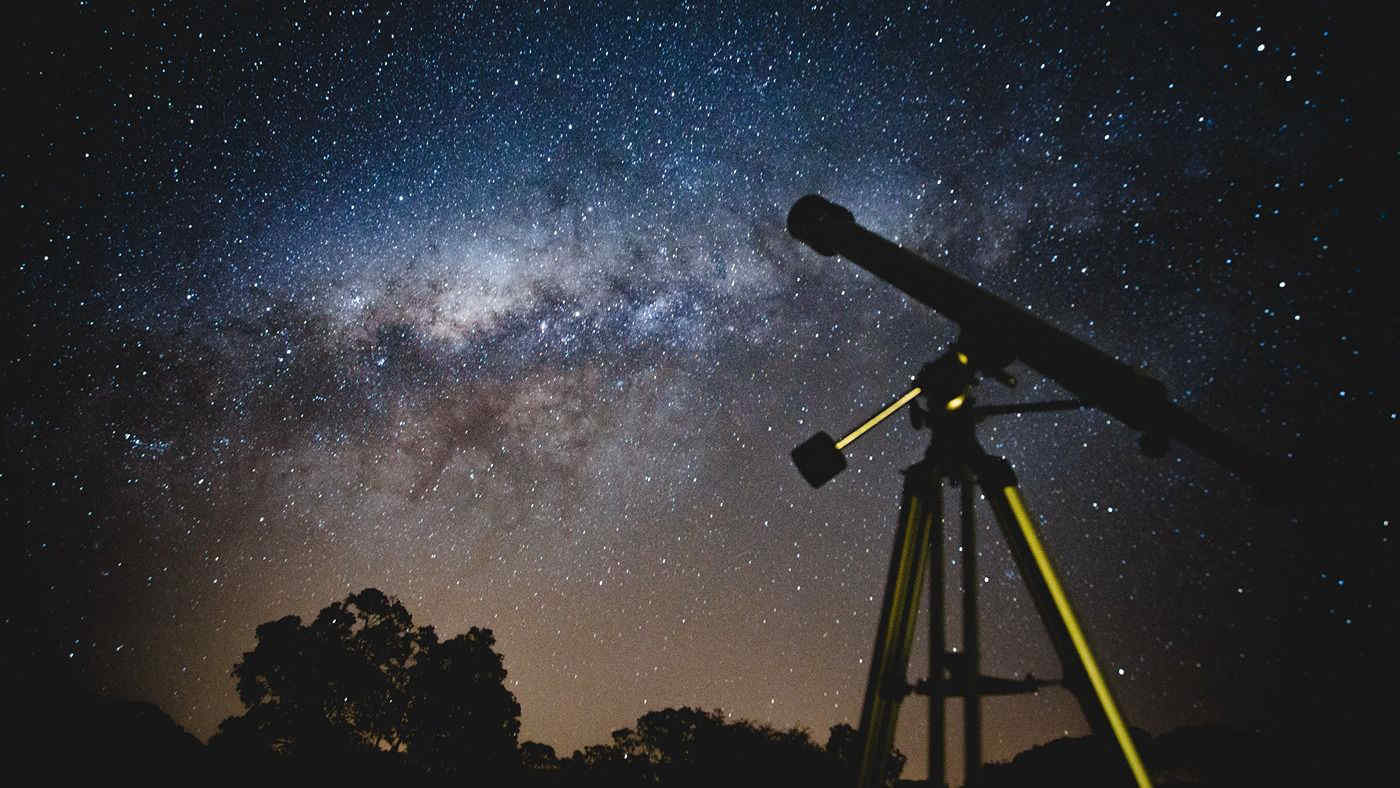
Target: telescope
993,334
997,333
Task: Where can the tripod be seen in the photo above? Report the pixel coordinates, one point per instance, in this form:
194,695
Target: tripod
955,456
1003,333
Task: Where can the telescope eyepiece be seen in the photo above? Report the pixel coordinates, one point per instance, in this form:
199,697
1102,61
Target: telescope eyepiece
817,222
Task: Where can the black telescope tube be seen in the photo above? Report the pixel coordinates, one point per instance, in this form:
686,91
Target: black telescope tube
1104,382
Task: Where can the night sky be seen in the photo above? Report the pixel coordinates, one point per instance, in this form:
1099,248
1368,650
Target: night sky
492,307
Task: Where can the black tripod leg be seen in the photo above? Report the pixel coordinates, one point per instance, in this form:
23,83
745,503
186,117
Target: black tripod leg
1082,676
888,682
972,701
937,647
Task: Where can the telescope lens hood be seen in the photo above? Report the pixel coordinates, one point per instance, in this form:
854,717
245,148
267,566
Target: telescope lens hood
818,222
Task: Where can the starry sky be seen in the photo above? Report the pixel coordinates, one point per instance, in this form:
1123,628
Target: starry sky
492,307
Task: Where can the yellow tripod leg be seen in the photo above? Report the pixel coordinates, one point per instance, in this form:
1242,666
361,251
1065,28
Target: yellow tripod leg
888,681
1010,502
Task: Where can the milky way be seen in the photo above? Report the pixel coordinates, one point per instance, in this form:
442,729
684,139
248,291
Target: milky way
494,309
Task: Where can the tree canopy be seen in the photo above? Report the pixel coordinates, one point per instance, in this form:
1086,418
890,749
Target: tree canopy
361,678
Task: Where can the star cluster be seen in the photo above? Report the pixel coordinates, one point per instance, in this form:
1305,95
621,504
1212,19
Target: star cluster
492,306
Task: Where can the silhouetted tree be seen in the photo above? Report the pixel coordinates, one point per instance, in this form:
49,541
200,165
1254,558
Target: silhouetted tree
363,679
607,764
460,713
684,747
843,748
340,684
538,757
382,643
293,685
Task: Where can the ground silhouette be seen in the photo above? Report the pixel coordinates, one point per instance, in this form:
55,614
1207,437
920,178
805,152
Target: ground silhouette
362,695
